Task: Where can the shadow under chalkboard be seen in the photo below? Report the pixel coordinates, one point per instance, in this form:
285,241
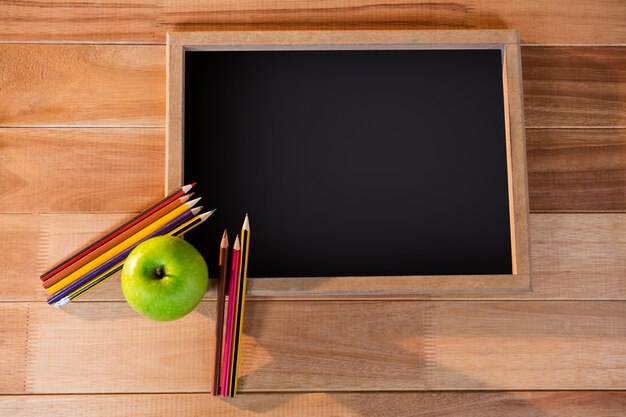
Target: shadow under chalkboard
351,163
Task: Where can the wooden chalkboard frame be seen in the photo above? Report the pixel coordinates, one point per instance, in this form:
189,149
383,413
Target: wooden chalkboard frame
373,287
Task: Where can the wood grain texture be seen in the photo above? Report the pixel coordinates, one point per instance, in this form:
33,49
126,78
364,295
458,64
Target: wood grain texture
516,158
331,346
74,170
574,256
13,347
575,86
569,170
373,404
124,85
577,169
21,241
84,85
560,21
119,351
122,21
32,243
578,256
540,344
339,39
474,344
554,155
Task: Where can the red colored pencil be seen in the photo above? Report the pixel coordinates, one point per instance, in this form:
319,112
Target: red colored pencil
230,320
88,249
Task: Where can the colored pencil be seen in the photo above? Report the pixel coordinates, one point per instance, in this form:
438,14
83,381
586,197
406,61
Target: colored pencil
76,256
122,246
230,320
241,301
120,257
219,321
179,231
65,272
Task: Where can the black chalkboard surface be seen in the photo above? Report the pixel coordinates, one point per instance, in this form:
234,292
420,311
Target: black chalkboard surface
351,162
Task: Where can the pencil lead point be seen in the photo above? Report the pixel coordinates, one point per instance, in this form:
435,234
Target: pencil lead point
196,210
246,223
225,238
237,245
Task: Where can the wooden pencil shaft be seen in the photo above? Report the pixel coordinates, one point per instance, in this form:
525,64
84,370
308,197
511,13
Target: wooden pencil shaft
122,246
118,257
73,258
232,294
219,322
95,282
85,259
191,224
241,298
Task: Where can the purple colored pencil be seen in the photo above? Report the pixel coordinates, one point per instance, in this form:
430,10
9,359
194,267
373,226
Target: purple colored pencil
120,257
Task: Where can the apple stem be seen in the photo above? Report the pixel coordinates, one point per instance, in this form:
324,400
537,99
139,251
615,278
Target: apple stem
160,272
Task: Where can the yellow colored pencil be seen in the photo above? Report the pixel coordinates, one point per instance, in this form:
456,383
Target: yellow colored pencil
122,246
179,231
241,301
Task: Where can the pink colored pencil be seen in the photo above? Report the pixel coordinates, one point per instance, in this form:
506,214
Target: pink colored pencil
230,319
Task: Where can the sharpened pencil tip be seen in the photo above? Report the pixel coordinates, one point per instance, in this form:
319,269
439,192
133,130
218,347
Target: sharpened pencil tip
204,216
188,187
196,210
193,202
237,245
224,243
185,198
246,223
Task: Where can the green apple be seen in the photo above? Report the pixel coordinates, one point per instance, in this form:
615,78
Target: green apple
164,278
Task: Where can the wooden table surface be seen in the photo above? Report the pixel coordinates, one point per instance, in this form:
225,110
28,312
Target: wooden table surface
82,147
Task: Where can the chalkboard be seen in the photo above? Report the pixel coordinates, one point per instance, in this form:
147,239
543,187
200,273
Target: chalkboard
352,162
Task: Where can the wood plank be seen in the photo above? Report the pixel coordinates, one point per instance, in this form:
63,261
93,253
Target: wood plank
577,169
568,86
334,346
560,21
119,351
56,20
557,22
570,345
578,256
574,256
124,85
21,248
429,404
13,345
81,169
92,85
569,169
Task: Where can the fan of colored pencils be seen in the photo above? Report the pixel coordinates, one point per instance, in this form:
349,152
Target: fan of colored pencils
228,337
174,215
